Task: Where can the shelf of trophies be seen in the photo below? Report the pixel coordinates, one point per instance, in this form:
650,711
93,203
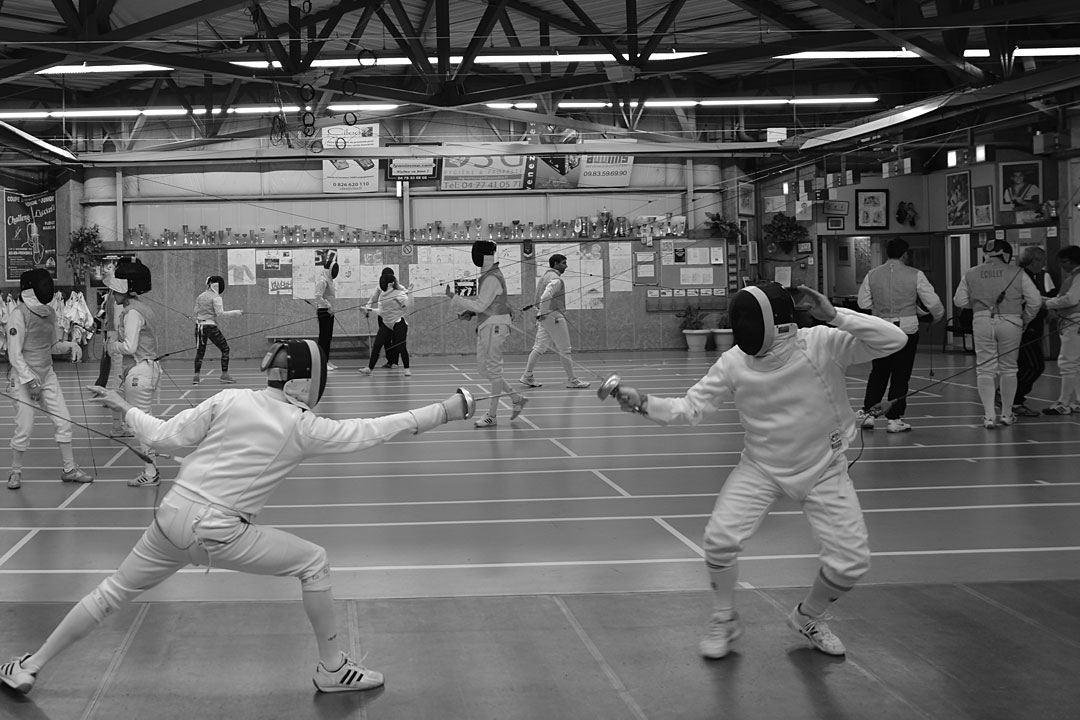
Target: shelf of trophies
600,226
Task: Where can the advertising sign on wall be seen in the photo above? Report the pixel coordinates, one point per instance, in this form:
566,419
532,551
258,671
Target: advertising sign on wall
413,168
501,172
350,175
605,170
29,233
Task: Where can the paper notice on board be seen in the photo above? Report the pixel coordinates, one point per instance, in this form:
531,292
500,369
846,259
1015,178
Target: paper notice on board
696,276
716,255
620,271
782,275
646,271
697,256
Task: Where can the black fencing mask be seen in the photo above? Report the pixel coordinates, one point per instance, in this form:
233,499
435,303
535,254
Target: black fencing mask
40,281
999,248
217,283
331,264
755,312
298,369
130,278
480,250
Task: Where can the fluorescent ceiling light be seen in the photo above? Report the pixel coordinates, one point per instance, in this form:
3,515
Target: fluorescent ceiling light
671,103
554,57
847,55
745,101
84,69
202,111
1027,52
508,106
93,113
583,104
262,109
361,106
832,100
23,115
1046,52
162,112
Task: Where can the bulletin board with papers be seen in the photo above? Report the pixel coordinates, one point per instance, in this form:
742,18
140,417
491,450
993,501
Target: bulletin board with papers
700,272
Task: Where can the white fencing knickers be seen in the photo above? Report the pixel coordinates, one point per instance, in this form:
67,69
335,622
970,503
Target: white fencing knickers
831,507
52,400
190,530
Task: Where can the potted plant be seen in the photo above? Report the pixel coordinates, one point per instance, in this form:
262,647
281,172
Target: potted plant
722,336
783,232
84,251
723,228
692,324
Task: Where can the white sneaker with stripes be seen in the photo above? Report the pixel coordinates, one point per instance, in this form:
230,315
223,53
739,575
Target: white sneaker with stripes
350,676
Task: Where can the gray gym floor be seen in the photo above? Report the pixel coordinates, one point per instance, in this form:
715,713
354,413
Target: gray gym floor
551,567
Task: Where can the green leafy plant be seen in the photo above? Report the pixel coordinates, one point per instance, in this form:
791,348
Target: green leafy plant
692,318
784,232
723,228
723,322
84,250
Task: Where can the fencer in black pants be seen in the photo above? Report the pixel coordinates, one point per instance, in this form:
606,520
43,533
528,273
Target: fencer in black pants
893,371
1030,362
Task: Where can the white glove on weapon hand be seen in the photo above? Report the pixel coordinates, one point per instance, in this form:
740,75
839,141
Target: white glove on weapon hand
110,399
631,399
457,406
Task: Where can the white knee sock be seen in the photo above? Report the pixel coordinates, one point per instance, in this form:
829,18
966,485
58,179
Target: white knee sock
319,606
1008,392
985,384
67,455
723,582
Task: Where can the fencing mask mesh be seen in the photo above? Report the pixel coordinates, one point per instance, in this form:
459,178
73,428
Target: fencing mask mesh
297,368
480,250
40,281
755,311
998,248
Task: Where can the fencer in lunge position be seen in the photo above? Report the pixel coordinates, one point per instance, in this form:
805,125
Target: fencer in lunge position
33,339
246,443
551,327
789,389
491,306
209,309
138,345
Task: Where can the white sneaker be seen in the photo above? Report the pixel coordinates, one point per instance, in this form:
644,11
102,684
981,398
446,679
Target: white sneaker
817,631
485,420
989,423
898,426
576,384
144,480
1009,419
365,371
17,677
866,422
76,475
526,380
518,406
350,676
14,480
721,633
331,367
408,372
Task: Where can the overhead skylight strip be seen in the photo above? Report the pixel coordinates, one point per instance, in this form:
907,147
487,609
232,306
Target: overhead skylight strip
89,69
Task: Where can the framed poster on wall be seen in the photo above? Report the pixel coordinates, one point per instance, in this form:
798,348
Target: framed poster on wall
835,223
982,205
871,209
1021,184
746,198
958,200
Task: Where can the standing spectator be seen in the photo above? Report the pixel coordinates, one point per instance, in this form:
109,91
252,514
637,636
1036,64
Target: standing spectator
491,306
325,294
1003,301
893,291
1030,361
1066,306
789,388
111,365
551,327
391,302
209,309
33,338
